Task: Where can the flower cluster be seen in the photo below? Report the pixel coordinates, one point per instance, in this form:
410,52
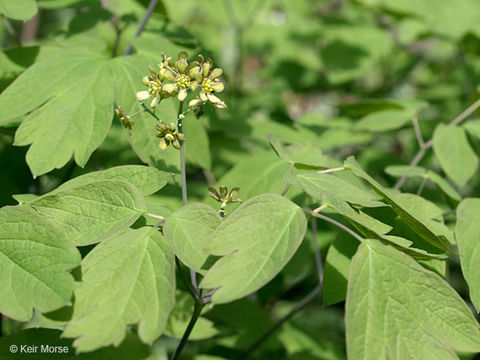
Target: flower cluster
224,197
126,120
169,135
179,77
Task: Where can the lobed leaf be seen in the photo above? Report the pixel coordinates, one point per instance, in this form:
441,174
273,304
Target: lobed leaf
188,230
70,109
91,212
35,259
127,279
256,242
396,309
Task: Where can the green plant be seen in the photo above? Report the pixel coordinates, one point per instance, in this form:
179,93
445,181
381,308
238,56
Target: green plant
334,229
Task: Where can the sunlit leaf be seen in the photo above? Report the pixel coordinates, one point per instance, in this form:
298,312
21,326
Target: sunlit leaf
256,242
35,259
396,309
127,279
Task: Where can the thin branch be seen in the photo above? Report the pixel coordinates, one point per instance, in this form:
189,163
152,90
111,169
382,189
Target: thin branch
161,218
466,113
145,107
330,170
143,23
422,186
418,132
334,222
309,297
421,153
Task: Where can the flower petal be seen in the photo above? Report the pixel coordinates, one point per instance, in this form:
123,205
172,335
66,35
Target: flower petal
155,101
194,102
213,99
143,95
181,66
215,73
182,94
169,88
162,144
193,85
203,95
169,75
218,87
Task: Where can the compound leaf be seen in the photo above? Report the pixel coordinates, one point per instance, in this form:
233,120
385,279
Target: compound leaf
127,279
396,309
70,108
90,212
256,242
188,230
467,232
35,259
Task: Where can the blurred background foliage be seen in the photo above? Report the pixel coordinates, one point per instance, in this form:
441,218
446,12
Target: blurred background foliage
346,76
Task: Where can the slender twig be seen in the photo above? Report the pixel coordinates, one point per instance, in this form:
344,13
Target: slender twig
287,185
197,310
466,113
155,216
330,170
300,305
143,23
422,186
421,152
334,222
418,132
145,107
450,212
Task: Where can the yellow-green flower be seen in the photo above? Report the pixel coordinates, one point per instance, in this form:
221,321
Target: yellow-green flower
127,122
224,197
169,136
154,83
209,83
183,77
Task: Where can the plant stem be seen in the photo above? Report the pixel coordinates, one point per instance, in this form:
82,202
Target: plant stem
145,107
187,284
182,155
334,222
193,275
159,217
197,310
309,297
143,23
330,170
427,145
